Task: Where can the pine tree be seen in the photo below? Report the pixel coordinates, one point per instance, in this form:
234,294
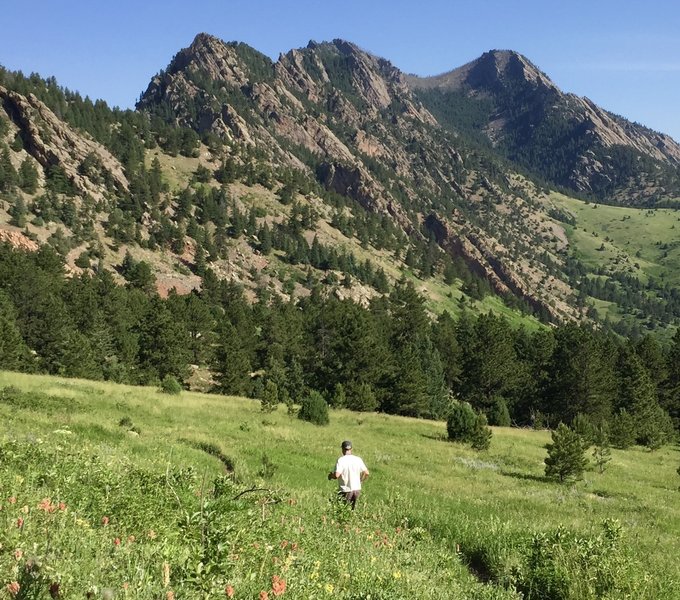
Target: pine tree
13,351
231,364
566,455
28,176
622,430
480,439
601,452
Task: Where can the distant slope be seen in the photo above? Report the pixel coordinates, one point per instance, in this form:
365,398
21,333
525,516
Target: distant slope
567,140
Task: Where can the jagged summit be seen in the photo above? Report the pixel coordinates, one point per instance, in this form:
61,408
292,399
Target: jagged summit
491,70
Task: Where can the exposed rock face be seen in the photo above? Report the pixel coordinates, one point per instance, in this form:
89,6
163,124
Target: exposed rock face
52,142
352,120
17,240
533,119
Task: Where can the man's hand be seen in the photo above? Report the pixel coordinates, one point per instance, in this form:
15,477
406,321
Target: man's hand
331,475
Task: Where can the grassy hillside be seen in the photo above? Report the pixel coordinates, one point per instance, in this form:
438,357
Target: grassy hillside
645,242
114,491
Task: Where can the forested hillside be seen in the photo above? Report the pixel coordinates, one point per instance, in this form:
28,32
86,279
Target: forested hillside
269,228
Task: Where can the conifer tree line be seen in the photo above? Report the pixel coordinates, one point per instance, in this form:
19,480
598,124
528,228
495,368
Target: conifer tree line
390,356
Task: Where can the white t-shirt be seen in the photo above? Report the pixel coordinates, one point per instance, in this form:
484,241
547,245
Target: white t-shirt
350,468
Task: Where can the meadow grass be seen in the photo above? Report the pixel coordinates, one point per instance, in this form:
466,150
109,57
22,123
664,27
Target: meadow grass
128,492
647,238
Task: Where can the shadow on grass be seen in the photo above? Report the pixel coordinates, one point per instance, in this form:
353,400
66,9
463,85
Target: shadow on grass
527,477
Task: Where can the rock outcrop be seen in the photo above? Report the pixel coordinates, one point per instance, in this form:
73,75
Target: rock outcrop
53,143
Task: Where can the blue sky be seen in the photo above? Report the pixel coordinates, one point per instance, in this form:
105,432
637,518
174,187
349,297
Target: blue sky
624,55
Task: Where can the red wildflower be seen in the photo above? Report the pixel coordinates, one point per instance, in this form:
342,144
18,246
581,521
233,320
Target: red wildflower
229,591
46,505
264,595
105,520
117,541
284,544
18,554
12,500
62,506
278,585
294,546
13,588
20,522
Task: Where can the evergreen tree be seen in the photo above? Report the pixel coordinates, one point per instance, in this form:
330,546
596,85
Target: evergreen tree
28,176
602,454
163,344
8,175
231,364
269,401
314,409
582,375
566,455
622,430
13,351
480,438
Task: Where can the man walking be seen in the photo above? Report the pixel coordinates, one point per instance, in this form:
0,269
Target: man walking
350,471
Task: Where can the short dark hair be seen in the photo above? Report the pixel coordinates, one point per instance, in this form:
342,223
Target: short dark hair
346,445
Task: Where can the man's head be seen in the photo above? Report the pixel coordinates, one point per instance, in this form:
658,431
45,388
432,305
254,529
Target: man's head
346,446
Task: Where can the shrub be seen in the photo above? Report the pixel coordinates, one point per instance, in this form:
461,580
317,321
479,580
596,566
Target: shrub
269,401
582,425
480,438
500,415
362,398
622,432
566,455
170,385
461,422
314,409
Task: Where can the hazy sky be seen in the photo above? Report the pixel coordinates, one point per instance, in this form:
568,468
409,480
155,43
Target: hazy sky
624,55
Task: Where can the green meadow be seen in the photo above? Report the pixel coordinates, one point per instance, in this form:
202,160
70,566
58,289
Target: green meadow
641,242
109,491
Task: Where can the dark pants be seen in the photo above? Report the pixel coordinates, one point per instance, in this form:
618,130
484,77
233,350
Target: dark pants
350,497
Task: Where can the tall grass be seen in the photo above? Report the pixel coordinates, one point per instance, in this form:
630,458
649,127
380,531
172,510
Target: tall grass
194,510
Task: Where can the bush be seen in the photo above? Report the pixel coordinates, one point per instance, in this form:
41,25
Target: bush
622,431
566,455
170,385
500,415
480,438
461,422
362,398
269,401
314,409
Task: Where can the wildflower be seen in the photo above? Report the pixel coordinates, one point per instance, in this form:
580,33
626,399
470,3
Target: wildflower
170,595
46,505
18,554
294,546
24,509
329,588
131,538
126,585
105,520
264,595
20,523
13,588
397,574
117,541
229,591
166,574
62,506
151,535
284,544
278,585
12,500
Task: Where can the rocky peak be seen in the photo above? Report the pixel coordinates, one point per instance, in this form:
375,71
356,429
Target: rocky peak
491,72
